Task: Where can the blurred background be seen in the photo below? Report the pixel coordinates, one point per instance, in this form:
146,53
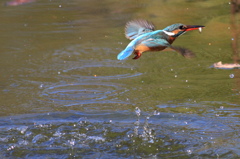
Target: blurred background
64,94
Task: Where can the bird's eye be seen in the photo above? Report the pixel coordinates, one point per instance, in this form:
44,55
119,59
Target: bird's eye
182,27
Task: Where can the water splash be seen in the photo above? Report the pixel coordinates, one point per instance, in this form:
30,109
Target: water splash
137,111
75,134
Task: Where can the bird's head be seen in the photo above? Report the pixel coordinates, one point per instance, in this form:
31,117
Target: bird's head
178,29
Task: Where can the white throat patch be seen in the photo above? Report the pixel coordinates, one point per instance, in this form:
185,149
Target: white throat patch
168,33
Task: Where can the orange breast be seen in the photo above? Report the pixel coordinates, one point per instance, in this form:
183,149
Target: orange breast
142,48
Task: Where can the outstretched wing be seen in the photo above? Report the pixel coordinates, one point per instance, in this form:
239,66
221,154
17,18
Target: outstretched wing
136,28
155,43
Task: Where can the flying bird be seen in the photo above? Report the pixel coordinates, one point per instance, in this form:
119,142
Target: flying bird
145,38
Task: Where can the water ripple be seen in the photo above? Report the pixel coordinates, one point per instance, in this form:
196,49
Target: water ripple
101,71
83,93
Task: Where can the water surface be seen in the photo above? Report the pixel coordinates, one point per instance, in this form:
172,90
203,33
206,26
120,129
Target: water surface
64,94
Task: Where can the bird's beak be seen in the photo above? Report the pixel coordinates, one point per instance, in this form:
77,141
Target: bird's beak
194,27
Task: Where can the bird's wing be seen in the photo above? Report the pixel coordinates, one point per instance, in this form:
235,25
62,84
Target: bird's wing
183,51
136,28
154,43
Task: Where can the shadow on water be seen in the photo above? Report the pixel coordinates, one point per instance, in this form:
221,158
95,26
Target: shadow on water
65,95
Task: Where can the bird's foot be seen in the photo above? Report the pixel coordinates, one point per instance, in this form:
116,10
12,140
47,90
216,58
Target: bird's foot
138,55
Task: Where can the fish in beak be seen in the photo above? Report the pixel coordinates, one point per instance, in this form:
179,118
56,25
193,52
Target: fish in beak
194,27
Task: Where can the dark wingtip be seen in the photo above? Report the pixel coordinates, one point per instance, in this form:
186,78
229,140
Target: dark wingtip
184,52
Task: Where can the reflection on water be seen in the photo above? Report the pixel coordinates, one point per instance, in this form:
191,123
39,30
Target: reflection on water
64,94
18,2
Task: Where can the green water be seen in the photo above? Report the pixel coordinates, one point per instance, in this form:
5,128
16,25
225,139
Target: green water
64,94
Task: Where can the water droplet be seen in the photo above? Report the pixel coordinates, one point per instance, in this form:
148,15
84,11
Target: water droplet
59,73
41,86
221,107
217,114
189,152
231,75
10,148
232,39
156,113
185,122
137,111
72,142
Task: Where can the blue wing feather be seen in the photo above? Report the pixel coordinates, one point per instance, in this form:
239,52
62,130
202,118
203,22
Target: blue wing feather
154,43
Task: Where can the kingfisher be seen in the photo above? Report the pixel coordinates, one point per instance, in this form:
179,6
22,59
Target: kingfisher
145,38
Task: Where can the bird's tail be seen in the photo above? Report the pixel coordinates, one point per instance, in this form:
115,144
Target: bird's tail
125,53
